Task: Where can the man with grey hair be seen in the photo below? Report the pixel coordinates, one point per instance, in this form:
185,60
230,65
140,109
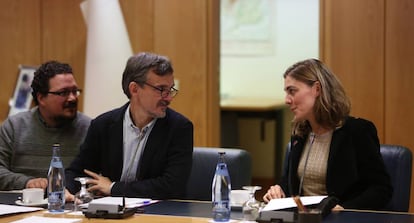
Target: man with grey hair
144,148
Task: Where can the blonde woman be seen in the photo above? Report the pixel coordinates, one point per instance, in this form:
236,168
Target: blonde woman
331,152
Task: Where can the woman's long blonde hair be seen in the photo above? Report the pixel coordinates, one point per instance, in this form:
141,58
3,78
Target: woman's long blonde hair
332,105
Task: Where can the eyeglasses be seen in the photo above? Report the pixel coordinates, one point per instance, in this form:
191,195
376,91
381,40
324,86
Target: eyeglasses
66,93
164,91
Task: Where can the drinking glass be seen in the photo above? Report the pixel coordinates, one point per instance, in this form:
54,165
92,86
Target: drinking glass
251,207
83,196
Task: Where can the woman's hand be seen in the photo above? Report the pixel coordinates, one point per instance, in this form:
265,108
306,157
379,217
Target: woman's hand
337,208
274,192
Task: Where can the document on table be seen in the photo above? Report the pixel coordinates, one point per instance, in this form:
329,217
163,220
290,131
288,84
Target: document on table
282,203
129,202
37,219
12,209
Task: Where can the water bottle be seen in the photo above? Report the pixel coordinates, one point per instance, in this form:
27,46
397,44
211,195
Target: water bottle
220,191
56,182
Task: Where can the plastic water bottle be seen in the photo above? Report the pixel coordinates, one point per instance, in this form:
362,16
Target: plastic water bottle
56,182
220,191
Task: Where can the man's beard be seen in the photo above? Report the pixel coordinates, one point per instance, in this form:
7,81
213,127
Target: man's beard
64,119
164,112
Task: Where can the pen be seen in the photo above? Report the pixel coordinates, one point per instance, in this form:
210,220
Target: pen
298,202
146,202
123,202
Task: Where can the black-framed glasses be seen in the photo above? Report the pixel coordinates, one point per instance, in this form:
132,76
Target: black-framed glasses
66,93
164,91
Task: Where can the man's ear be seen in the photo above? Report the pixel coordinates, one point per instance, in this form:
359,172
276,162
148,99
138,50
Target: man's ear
40,98
133,88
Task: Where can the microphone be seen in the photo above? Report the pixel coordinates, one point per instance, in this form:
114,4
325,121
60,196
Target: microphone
327,203
111,211
123,202
312,137
290,187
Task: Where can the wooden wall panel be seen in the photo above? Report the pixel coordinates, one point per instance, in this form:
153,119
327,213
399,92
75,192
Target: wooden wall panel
213,74
399,78
64,36
353,48
399,110
369,45
181,31
139,20
20,39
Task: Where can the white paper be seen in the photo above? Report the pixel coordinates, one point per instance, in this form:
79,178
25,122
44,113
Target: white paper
129,202
282,203
11,209
37,219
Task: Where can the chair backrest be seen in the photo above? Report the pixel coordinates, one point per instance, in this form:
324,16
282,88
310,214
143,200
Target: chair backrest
204,165
398,161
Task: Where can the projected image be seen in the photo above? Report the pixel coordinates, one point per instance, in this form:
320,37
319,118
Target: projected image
246,27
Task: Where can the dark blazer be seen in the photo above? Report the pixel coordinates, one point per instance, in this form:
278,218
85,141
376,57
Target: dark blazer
165,164
356,173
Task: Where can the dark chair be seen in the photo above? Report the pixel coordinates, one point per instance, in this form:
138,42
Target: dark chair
398,162
204,165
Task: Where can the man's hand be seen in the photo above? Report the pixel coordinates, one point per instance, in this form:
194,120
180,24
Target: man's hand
37,183
69,196
101,184
274,192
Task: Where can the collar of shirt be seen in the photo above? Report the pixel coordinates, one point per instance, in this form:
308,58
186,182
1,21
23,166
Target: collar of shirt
131,128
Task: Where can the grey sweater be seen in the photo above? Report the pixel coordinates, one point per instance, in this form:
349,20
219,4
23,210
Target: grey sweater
26,146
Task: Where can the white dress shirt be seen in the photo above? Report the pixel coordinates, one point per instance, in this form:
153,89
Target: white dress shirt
134,143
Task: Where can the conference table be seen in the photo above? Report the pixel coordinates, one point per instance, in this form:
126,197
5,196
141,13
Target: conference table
182,211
